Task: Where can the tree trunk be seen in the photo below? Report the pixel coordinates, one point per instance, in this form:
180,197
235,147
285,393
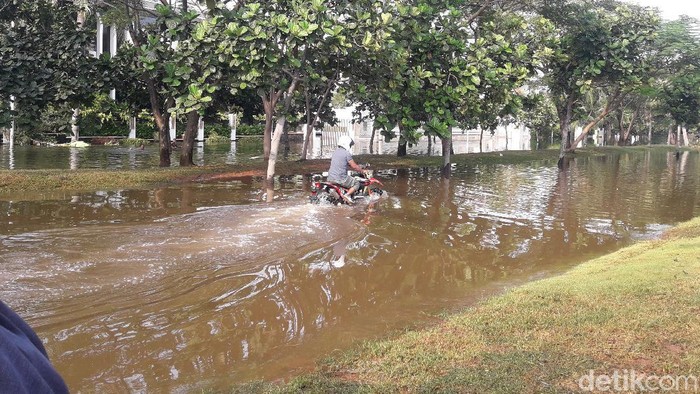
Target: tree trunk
162,119
608,107
402,149
620,127
669,138
309,125
371,141
272,160
446,159
285,137
481,141
628,130
685,137
403,144
551,137
187,149
678,136
307,138
565,115
275,139
588,128
269,103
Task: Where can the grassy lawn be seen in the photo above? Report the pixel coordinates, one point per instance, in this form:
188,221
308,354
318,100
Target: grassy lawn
637,309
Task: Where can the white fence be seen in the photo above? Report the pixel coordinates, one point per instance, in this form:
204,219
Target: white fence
512,137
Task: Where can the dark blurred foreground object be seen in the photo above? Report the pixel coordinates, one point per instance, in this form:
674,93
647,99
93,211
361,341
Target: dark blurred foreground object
24,364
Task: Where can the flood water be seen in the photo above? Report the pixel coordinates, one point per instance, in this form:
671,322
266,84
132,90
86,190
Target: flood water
179,289
127,157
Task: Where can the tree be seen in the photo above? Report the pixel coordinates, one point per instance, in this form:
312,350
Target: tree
192,74
336,58
678,87
602,43
44,57
281,39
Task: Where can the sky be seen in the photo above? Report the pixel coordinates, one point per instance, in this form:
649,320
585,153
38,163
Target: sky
671,9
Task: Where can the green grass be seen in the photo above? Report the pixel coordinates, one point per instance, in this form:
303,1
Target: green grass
635,309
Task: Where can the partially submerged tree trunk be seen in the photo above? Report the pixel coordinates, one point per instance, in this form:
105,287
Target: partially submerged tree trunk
162,119
685,137
608,107
446,170
624,140
285,138
272,160
275,139
669,137
565,115
269,104
187,149
307,138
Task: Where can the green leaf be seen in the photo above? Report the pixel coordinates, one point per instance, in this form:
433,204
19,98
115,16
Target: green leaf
367,40
386,18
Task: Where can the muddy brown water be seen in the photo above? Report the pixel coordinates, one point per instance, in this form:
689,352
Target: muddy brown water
179,289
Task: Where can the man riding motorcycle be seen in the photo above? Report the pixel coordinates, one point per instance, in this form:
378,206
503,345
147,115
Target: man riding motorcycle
338,171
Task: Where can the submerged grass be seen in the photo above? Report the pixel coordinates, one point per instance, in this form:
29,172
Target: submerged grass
635,309
18,184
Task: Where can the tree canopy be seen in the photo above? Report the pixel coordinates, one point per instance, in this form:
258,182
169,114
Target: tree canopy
418,67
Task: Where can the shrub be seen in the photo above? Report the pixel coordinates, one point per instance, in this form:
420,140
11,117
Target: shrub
134,142
216,129
216,139
250,129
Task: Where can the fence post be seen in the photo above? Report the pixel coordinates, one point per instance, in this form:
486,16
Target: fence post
232,125
200,132
132,127
173,127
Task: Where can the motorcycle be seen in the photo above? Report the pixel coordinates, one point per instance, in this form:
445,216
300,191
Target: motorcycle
324,191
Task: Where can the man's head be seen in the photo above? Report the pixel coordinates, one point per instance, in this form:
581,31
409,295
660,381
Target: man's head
346,142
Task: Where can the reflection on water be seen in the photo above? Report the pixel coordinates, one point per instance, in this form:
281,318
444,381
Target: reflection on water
120,157
170,293
125,157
